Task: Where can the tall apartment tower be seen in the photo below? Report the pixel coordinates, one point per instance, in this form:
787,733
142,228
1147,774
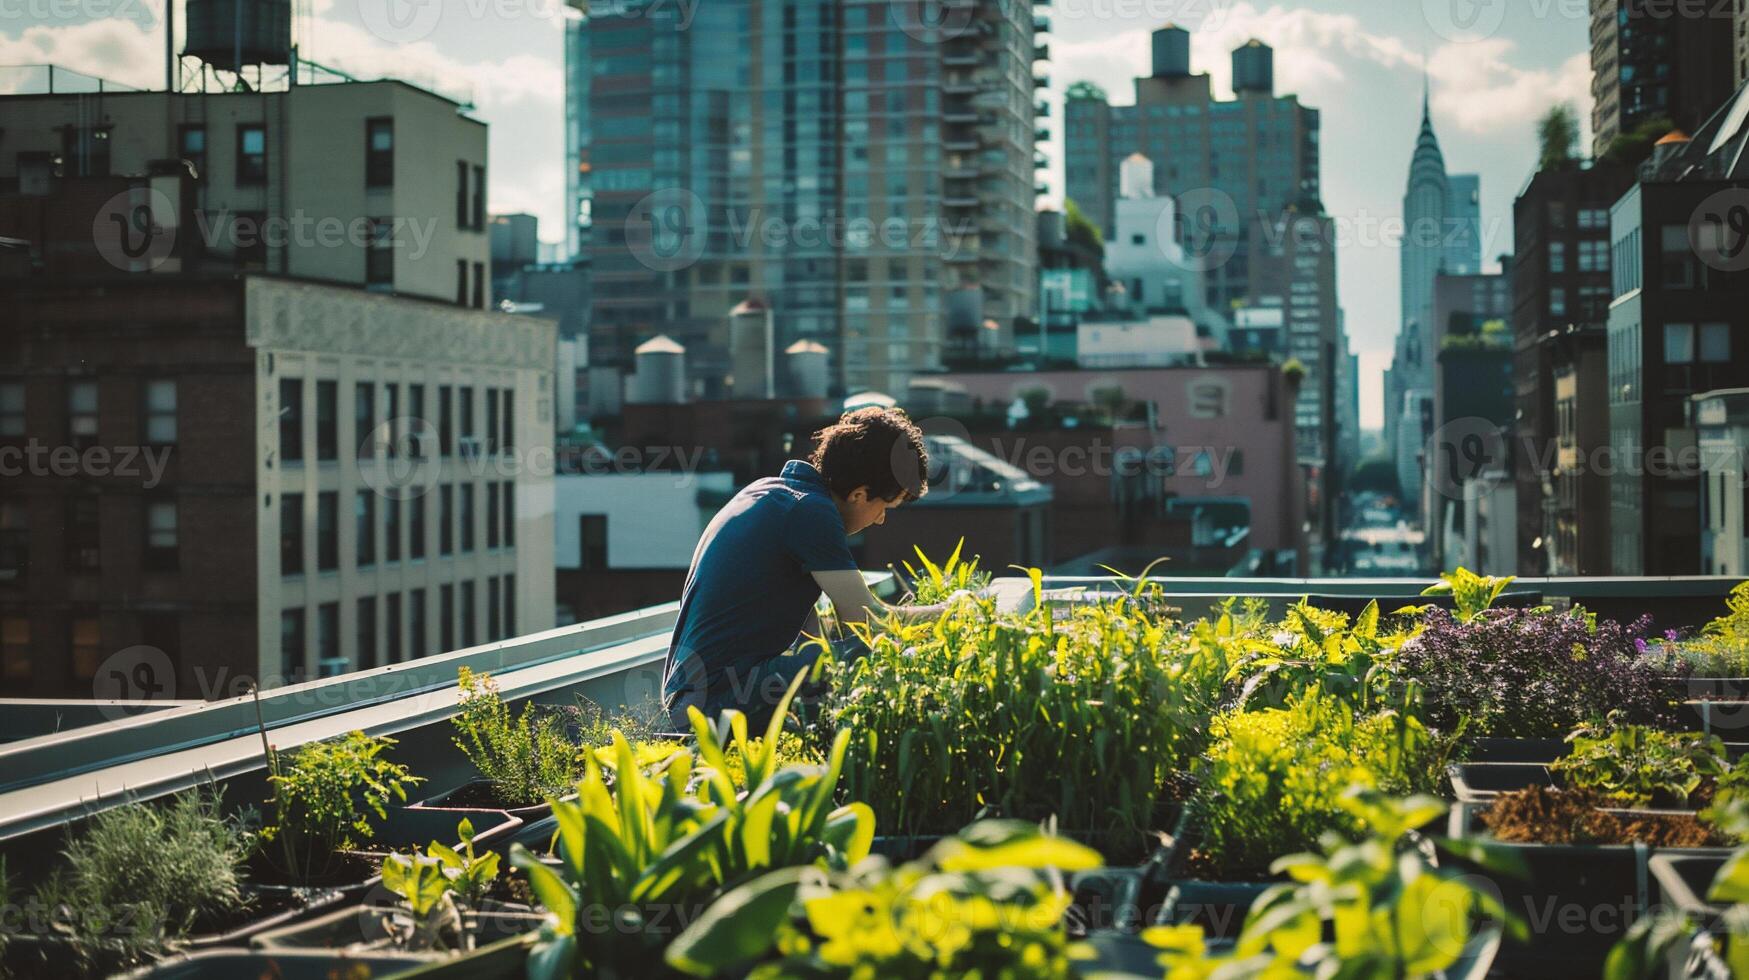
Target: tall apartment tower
1647,61
1227,163
850,163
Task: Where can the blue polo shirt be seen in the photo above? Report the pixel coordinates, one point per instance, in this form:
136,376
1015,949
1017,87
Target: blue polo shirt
750,588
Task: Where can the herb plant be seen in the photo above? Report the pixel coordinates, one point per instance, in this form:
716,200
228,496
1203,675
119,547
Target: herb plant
1275,780
1471,594
325,797
653,844
936,582
1633,765
469,874
1530,673
1082,713
988,903
1721,649
527,758
420,882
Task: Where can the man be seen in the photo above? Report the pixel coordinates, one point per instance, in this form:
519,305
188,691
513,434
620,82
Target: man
771,551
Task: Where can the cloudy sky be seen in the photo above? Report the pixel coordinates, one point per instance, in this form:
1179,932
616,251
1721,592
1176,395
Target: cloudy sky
1495,68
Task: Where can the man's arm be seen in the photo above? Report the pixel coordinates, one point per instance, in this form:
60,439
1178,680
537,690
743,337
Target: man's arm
853,602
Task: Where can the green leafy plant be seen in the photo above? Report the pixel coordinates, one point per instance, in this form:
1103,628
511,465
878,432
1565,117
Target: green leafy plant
1636,765
987,903
138,878
653,843
1721,649
527,758
1471,594
469,874
935,583
978,713
1274,780
1376,909
324,798
420,882
1312,646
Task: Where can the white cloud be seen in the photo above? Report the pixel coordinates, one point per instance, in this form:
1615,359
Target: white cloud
1477,87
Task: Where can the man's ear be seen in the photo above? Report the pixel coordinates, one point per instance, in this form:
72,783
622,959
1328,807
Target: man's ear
858,496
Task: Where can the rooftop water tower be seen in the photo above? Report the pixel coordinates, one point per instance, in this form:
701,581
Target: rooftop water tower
660,377
229,34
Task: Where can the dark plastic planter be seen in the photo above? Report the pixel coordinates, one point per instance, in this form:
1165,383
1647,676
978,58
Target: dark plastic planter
1108,899
1708,688
1219,907
506,959
309,901
442,801
1684,877
1728,719
1480,782
230,964
1517,749
363,928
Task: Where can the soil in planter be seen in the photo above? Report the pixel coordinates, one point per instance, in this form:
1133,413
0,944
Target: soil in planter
343,870
257,905
1541,815
483,795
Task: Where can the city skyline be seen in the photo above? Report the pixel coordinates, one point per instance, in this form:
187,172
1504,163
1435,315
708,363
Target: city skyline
1487,92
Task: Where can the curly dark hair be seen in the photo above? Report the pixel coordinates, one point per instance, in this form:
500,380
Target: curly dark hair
878,448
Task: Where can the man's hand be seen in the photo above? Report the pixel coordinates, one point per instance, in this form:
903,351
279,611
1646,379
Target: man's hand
853,602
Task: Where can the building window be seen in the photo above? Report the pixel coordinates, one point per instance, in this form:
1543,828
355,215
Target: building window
1592,219
11,409
82,413
461,282
379,152
327,420
463,206
446,520
192,142
161,537
494,611
466,422
445,422
446,617
160,412
87,647
479,302
1557,257
416,623
1678,343
1594,256
84,535
491,439
416,527
364,512
364,419
327,531
392,626
251,154
291,419
391,529
469,634
291,534
14,543
379,253
328,662
479,202
1557,302
1715,342
367,632
15,662
509,495
291,645
592,539
510,605
416,422
507,418
392,427
467,515
1677,259
492,517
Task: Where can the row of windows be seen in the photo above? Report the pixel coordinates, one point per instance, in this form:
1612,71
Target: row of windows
500,525
84,646
157,411
404,627
398,430
82,536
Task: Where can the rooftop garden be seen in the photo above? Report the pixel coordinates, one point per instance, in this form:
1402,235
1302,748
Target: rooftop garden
1091,786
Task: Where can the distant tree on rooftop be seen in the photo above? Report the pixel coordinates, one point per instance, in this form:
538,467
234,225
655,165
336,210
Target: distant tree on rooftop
1630,149
1374,473
1559,132
1080,229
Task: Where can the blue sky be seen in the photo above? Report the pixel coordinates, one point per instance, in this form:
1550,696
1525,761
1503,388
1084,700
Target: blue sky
1496,66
